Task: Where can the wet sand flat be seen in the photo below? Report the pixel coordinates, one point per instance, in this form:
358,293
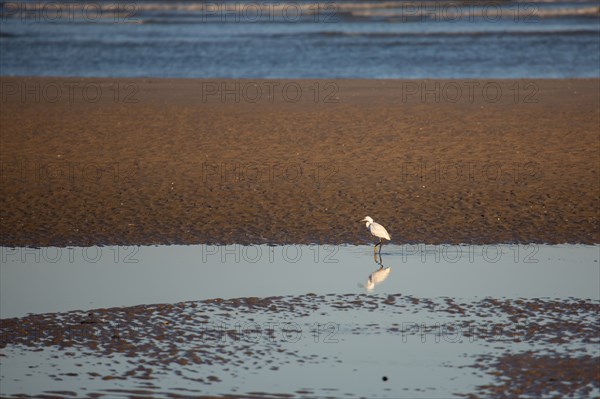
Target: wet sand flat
309,346
165,161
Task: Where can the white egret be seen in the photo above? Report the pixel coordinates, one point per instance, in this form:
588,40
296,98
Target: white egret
377,230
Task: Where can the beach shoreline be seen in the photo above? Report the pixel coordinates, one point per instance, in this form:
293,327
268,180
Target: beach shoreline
149,161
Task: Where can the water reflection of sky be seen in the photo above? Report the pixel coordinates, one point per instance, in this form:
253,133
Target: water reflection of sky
61,279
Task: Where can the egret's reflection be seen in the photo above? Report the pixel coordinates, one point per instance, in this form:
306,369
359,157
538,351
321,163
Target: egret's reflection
379,275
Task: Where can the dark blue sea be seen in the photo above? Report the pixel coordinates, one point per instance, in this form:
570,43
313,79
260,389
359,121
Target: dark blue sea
302,39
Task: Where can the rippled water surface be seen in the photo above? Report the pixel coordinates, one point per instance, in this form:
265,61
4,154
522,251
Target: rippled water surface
302,39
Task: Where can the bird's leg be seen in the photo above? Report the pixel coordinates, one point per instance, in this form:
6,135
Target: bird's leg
379,262
380,247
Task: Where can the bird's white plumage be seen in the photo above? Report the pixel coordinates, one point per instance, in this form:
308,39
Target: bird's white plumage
376,229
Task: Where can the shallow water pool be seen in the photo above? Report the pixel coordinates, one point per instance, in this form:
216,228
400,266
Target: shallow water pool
42,280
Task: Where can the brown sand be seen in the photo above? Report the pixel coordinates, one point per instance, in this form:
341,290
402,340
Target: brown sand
170,162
